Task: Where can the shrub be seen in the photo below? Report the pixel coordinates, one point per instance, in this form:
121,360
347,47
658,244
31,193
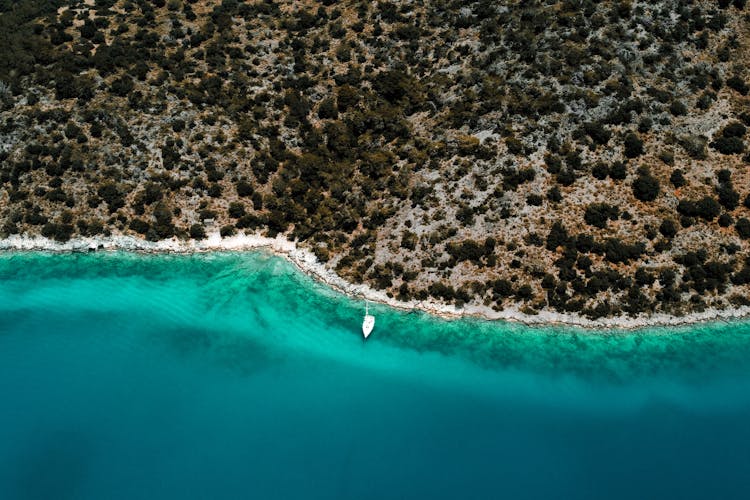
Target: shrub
667,157
598,133
112,194
60,232
244,189
706,208
548,282
686,221
248,222
694,146
347,97
728,145
734,129
584,242
618,171
633,145
236,210
393,85
645,124
617,251
140,226
677,178
151,193
600,171
725,220
742,277
502,288
178,125
525,292
227,231
668,228
122,86
534,200
163,227
566,177
557,237
728,197
408,240
552,163
514,145
597,214
738,84
645,186
441,290
678,108
328,110
743,228
470,250
257,201
197,232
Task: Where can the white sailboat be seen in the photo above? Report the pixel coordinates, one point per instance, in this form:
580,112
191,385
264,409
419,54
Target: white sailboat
368,323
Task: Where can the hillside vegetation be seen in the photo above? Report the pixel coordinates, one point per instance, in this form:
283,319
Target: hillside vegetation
580,156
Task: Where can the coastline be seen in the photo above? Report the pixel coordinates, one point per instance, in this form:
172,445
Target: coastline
306,262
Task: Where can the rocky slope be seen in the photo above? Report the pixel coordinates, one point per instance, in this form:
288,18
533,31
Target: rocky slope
575,156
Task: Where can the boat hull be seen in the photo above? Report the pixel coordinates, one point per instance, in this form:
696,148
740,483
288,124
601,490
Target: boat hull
367,325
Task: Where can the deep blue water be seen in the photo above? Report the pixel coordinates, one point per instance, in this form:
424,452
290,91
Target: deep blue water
234,376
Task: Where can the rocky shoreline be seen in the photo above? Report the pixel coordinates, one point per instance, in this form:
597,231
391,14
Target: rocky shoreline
306,262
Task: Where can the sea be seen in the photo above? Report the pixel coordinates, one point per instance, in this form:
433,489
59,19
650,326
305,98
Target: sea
236,376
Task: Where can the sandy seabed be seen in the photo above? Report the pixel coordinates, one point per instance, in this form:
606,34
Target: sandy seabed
306,261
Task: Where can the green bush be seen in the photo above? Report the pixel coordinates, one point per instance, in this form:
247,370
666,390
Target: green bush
60,232
197,232
738,84
600,170
617,251
328,110
728,145
470,250
678,108
725,220
706,208
677,178
668,228
694,146
236,210
408,240
534,200
645,186
633,145
140,226
728,197
394,85
557,237
112,194
598,132
618,171
743,228
502,288
244,189
597,214
163,227
734,129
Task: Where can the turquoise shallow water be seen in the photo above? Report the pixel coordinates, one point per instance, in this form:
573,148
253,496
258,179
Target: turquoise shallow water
235,376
